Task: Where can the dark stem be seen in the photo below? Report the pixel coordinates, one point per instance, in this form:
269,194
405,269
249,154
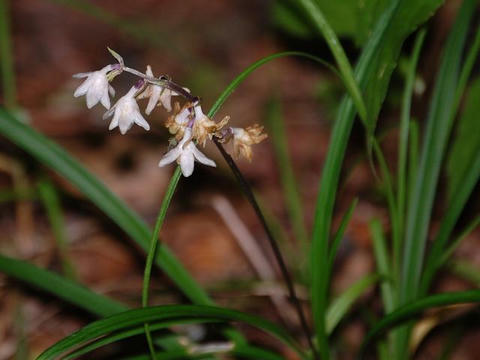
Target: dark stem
276,250
179,90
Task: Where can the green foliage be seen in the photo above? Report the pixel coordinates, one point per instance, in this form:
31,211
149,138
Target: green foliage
161,316
466,144
354,19
373,73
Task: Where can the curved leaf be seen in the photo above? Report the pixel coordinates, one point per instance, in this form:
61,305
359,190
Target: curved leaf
162,314
407,312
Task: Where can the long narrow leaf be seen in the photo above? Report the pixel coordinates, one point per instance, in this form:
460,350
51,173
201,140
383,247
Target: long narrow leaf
63,288
314,12
373,73
55,157
343,303
157,315
411,310
436,137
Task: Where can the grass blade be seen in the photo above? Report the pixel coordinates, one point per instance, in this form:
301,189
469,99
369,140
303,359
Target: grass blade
276,125
373,73
315,14
337,239
63,288
403,138
158,315
55,157
153,249
340,306
413,309
51,202
382,259
436,136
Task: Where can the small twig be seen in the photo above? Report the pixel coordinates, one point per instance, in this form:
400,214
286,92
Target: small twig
276,250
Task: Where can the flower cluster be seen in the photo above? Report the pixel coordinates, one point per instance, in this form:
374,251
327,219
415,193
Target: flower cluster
188,123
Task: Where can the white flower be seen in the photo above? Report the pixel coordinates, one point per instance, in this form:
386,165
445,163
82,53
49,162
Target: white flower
96,87
186,153
157,93
126,112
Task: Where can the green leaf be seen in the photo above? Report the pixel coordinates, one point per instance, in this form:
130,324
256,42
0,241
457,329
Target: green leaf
337,239
383,265
373,73
348,18
323,27
153,249
63,288
439,124
466,144
51,202
413,309
277,132
58,159
340,306
158,315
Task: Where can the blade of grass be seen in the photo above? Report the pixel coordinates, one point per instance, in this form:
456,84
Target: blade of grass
315,14
337,239
153,249
6,57
403,138
130,332
466,142
157,315
51,202
413,146
382,259
411,310
276,127
465,270
439,124
243,351
65,289
392,204
373,73
342,304
453,246
55,157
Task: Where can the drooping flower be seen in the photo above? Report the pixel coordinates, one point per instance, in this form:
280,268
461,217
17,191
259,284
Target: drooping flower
177,122
204,127
126,112
157,93
185,153
96,87
243,139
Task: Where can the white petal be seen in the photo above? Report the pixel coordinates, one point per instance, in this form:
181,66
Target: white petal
140,121
201,157
82,89
105,100
115,119
108,113
92,97
111,90
149,71
81,75
113,124
166,99
169,157
187,163
155,95
125,124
